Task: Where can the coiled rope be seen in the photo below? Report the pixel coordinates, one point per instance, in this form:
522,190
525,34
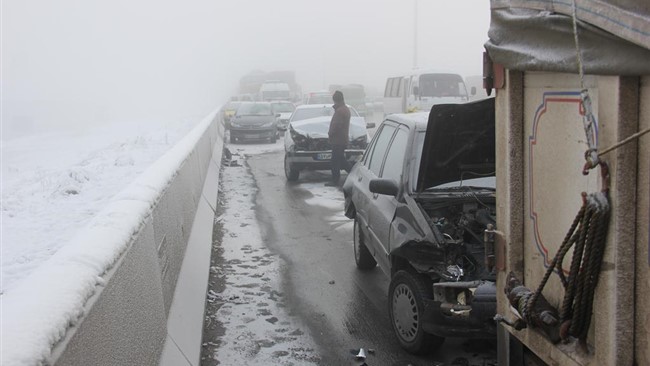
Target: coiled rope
588,233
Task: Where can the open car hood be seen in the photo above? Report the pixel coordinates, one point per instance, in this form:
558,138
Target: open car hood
318,127
459,143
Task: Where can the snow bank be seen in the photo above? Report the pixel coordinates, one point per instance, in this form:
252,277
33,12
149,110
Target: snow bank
39,310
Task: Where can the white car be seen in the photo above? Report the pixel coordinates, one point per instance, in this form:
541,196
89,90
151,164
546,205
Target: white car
306,146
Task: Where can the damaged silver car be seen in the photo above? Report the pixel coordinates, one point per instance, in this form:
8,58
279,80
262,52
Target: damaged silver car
423,203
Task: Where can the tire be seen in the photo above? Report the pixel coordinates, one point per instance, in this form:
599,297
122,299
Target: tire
405,306
362,256
232,139
274,139
291,172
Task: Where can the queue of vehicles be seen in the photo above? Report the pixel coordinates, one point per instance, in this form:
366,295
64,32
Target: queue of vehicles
421,194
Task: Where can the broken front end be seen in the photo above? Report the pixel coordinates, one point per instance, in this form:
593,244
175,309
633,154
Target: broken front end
457,256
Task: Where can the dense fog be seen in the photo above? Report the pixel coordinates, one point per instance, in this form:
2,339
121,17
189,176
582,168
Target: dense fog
75,64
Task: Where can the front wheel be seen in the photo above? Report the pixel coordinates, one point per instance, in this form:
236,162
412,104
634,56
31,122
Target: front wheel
406,297
362,255
290,171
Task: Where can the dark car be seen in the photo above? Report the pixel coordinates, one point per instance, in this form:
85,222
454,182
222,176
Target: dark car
253,121
306,146
423,203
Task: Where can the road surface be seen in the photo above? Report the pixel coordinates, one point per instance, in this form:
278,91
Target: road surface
285,289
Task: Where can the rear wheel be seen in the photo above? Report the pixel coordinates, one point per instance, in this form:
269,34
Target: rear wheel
290,171
406,297
362,255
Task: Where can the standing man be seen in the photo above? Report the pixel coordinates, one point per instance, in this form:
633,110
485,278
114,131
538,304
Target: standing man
338,137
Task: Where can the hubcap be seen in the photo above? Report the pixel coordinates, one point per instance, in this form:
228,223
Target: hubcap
405,313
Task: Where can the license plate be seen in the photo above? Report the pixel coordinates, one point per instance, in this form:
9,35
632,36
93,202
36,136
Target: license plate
251,136
324,156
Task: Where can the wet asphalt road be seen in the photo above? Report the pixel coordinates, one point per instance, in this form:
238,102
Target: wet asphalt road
291,293
343,307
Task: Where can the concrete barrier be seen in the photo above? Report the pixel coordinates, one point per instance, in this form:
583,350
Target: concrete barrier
153,297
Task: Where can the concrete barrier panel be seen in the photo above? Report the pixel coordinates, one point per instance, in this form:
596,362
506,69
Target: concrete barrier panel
125,322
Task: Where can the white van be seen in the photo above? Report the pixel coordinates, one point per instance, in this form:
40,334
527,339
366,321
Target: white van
419,91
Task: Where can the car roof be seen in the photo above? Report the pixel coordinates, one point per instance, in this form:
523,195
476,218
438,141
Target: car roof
418,120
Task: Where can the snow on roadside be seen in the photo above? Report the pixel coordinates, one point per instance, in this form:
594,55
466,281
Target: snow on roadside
53,185
66,219
258,329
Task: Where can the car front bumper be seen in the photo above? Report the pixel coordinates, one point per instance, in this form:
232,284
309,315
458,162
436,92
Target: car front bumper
461,309
319,160
252,134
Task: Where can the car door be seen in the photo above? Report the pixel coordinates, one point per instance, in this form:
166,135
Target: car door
370,168
381,211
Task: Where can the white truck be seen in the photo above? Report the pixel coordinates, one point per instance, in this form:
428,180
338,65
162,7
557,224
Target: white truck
572,81
272,90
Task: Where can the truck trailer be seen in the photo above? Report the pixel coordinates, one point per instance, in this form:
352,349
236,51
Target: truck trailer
572,109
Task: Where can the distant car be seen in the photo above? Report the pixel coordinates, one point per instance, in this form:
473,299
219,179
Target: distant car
282,112
229,111
253,121
306,145
422,199
318,97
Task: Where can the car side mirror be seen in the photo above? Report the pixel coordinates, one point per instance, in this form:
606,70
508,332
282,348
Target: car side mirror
370,125
383,186
277,114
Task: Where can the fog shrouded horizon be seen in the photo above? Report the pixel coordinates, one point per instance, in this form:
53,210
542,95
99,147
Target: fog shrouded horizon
74,64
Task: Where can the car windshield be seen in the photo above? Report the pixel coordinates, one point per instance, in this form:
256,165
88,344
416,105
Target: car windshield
305,113
254,109
283,107
442,85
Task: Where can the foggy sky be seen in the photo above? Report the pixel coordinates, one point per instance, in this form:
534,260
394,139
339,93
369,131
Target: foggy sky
76,63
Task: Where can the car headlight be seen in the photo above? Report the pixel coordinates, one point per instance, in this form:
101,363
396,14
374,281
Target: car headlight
268,124
234,124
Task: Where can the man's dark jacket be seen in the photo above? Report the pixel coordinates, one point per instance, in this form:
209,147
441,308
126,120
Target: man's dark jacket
340,125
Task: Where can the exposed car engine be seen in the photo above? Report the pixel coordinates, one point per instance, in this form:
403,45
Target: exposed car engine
461,227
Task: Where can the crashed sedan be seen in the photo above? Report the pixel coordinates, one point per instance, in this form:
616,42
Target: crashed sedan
423,203
307,146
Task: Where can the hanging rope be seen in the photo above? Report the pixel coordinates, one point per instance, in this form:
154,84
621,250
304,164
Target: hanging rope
588,234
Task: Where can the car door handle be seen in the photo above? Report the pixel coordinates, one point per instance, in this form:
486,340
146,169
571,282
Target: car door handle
359,179
375,195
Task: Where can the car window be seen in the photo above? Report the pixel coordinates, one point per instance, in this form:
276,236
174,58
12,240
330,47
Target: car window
254,109
379,149
283,107
419,146
305,113
394,164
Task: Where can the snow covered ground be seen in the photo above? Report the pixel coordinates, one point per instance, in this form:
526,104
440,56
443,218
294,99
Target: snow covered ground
70,203
53,184
257,327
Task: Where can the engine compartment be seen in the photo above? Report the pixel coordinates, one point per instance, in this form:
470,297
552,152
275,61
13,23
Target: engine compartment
459,227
